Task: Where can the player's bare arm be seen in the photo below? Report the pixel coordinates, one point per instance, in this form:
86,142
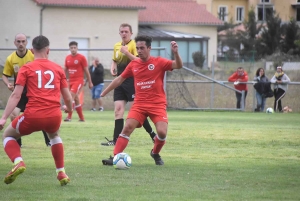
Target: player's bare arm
67,99
115,83
88,76
113,68
177,63
9,85
11,104
124,50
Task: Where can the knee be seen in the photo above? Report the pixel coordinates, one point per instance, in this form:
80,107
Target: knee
119,111
162,133
128,129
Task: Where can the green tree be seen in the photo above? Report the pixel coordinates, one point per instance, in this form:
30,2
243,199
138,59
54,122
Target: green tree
198,58
271,36
290,36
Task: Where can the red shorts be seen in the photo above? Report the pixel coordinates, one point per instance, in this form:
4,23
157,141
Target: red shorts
26,126
76,86
140,113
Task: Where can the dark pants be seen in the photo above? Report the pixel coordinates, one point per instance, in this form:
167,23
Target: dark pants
278,94
239,99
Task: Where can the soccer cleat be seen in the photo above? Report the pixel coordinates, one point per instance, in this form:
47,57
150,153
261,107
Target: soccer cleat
101,109
157,158
67,119
63,178
93,109
108,143
108,161
81,120
16,171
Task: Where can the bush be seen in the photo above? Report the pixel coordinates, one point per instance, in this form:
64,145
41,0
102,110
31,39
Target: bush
198,59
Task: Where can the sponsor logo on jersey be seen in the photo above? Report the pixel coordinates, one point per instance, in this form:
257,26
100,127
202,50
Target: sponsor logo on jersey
75,61
151,67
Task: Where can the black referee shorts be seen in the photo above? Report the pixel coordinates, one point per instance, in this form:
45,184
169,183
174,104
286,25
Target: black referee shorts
125,91
22,103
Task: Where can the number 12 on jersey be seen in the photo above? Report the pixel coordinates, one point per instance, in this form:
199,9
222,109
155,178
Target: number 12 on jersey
49,84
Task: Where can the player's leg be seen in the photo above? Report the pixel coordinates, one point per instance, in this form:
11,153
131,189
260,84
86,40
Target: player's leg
119,108
135,119
13,151
69,117
160,119
78,106
14,115
57,148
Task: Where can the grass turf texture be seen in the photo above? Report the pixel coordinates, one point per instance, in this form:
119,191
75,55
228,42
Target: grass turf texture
208,156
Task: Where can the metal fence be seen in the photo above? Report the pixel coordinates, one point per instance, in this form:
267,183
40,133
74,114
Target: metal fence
187,88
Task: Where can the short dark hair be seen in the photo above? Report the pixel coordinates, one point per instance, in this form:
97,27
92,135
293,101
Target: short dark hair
144,38
40,42
73,43
126,25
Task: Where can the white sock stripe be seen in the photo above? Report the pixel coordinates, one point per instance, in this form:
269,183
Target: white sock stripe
161,139
76,106
124,136
18,124
56,140
7,139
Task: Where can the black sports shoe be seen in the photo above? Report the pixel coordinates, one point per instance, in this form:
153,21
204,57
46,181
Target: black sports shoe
108,143
108,161
157,158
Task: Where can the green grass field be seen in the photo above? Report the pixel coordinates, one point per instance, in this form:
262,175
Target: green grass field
208,156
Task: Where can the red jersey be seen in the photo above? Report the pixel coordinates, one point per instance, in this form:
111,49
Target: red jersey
148,79
44,80
75,65
241,78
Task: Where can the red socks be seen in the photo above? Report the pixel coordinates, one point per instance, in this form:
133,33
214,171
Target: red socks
121,144
58,154
12,150
158,145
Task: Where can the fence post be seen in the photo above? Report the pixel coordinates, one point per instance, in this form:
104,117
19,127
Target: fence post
243,101
212,84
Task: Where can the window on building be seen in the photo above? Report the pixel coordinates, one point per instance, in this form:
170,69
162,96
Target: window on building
239,14
186,50
268,11
222,13
298,14
298,1
265,1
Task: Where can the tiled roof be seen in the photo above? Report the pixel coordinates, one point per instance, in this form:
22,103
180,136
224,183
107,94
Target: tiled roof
152,11
127,4
161,34
176,12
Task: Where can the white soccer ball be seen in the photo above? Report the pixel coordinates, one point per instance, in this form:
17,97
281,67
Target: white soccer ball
122,161
269,110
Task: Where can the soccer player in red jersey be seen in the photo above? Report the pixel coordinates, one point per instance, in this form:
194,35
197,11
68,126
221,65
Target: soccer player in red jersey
13,63
150,99
76,65
45,81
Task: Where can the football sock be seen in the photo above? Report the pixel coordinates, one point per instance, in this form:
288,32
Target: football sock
18,160
79,111
158,144
119,124
60,170
57,150
12,148
46,137
70,115
121,144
